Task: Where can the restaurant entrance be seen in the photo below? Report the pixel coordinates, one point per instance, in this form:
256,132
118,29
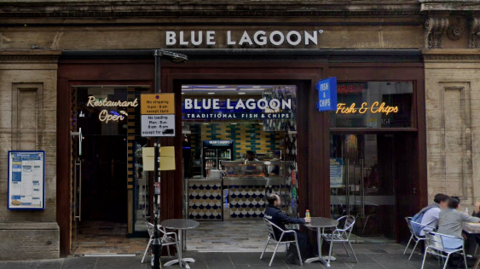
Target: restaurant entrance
103,162
367,162
372,153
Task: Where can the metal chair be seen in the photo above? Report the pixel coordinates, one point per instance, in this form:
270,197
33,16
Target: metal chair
416,238
280,240
435,246
341,235
167,239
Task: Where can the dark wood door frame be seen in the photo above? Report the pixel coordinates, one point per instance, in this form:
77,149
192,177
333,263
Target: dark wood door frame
85,72
416,194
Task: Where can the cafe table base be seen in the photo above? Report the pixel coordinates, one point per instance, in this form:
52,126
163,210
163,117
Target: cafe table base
319,258
180,225
184,262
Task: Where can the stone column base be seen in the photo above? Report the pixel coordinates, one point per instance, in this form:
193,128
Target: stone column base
29,241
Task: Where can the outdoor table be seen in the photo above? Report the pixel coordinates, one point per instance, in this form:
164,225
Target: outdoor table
473,228
320,224
180,225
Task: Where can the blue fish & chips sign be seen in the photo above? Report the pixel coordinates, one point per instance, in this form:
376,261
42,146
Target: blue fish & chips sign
327,94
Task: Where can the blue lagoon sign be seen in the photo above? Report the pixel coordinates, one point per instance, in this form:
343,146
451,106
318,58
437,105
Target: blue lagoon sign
327,94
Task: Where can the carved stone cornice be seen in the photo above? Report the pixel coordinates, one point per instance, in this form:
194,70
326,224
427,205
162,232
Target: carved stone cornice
474,37
436,25
449,5
207,8
452,56
29,56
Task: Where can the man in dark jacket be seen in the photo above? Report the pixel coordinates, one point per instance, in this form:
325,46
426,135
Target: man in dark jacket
277,217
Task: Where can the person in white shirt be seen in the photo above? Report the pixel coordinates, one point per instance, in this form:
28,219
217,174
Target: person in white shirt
432,212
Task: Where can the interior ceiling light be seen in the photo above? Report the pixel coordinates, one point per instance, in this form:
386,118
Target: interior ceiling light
211,93
241,93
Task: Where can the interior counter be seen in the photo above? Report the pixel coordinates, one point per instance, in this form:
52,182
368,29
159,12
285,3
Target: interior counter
246,197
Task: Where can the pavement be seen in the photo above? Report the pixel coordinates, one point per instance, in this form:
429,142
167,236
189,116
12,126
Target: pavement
370,256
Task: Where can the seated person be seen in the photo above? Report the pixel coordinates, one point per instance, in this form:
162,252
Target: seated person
451,223
274,214
431,213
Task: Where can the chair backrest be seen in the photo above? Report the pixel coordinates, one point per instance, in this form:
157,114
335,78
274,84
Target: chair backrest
150,227
421,226
434,241
348,224
409,219
271,229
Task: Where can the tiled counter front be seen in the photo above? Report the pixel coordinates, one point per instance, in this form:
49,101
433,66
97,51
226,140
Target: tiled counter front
246,201
205,200
249,201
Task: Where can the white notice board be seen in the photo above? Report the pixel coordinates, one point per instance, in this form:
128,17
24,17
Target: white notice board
26,180
158,125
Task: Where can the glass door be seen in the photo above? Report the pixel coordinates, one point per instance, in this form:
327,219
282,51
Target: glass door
362,184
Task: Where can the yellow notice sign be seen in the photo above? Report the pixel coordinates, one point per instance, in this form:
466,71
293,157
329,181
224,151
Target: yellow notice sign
157,104
167,151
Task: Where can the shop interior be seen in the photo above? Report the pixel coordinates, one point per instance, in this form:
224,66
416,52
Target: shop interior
234,155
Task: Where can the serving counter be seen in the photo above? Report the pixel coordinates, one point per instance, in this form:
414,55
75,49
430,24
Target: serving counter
241,191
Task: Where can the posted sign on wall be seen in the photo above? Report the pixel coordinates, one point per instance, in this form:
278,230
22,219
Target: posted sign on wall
327,94
158,114
26,180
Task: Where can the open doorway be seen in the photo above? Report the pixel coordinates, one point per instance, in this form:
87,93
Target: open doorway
110,191
239,146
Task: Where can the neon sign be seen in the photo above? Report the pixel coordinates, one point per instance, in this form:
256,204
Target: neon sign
375,107
108,116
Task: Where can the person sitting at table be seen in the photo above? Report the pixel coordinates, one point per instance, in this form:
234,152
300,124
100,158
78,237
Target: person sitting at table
431,213
451,223
274,214
475,213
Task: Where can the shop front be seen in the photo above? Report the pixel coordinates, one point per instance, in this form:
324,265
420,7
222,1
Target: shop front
246,116
362,159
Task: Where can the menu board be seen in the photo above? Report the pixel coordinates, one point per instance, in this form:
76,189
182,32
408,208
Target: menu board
26,180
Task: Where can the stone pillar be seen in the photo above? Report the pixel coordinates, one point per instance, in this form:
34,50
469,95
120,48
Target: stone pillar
28,107
452,87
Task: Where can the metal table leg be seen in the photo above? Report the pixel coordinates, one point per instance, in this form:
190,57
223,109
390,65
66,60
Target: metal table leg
181,261
319,258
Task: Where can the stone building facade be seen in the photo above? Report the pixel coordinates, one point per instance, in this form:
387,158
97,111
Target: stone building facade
34,37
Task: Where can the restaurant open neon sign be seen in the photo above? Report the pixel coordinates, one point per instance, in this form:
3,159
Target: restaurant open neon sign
111,116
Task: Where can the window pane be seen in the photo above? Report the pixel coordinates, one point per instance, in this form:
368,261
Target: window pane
374,105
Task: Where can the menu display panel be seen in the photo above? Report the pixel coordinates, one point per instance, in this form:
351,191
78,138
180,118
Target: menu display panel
26,180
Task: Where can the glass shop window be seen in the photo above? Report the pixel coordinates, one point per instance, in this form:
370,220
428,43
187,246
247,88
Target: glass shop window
383,104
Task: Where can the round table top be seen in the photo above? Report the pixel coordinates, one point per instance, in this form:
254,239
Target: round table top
319,222
180,224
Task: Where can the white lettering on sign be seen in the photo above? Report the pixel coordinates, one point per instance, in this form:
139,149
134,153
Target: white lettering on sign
258,38
264,104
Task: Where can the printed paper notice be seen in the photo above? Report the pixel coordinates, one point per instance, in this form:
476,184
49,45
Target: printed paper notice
158,125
